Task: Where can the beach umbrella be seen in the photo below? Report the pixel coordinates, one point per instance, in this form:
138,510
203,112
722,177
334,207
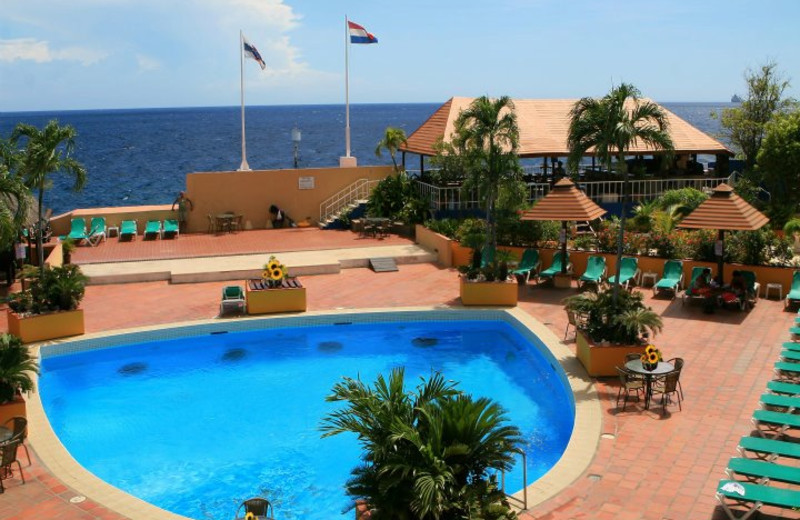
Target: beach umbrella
565,202
724,211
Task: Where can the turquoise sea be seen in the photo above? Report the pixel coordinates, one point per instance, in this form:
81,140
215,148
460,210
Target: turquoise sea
142,156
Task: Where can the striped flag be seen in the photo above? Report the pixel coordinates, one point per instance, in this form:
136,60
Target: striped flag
251,52
360,35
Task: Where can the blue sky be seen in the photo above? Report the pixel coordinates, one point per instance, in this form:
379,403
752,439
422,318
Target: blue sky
81,54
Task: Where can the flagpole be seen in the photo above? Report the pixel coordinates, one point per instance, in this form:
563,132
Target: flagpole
347,87
244,166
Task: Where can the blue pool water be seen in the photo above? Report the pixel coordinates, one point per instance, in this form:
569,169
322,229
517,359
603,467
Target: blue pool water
196,425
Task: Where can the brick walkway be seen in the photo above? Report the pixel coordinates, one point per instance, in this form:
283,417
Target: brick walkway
654,467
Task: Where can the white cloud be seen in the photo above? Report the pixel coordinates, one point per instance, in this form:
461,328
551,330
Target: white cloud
30,49
146,63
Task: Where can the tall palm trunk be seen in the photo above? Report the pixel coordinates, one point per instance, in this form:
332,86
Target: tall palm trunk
39,241
621,235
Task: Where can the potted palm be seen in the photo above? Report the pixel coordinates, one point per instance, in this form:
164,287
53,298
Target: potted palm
67,248
16,366
48,309
611,328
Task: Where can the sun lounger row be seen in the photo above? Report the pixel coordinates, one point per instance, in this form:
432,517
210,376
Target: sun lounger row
92,236
763,460
129,229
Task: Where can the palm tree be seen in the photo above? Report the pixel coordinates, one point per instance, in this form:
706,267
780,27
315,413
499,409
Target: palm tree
392,140
13,194
47,151
486,133
428,452
610,126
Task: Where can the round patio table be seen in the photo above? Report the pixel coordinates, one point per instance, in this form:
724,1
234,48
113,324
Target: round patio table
636,367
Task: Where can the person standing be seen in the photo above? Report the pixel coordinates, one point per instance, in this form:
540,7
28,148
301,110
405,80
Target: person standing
185,205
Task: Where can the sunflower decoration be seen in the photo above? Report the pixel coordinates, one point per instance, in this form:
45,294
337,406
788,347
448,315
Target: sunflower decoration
249,516
651,356
274,272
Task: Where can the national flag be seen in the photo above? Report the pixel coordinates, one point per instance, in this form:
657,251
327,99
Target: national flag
251,52
359,35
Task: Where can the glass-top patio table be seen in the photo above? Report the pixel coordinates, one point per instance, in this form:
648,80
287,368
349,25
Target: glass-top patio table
636,367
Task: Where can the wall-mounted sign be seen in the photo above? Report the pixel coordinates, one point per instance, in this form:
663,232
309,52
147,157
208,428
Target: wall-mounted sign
305,183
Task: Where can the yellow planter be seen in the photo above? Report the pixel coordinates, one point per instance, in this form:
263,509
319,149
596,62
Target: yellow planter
602,360
42,327
489,293
275,300
15,408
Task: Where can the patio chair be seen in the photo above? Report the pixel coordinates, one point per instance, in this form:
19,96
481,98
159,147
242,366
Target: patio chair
127,229
171,228
595,270
19,431
783,387
8,456
77,230
690,291
628,383
794,291
576,320
672,278
152,229
487,255
212,224
678,364
762,471
758,495
260,507
530,263
775,422
232,297
768,449
97,231
555,267
629,270
667,385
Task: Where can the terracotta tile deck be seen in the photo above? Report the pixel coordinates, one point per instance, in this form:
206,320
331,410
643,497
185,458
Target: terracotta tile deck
655,467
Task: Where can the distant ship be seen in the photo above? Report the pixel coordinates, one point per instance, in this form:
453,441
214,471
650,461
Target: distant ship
736,99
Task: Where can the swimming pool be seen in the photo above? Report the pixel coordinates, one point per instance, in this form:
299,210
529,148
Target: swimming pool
198,423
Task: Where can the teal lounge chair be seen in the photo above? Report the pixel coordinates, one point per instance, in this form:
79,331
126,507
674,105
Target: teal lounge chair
77,230
595,270
758,495
763,471
530,263
787,369
790,355
775,422
127,229
783,387
555,267
232,298
97,231
689,292
152,229
790,403
791,345
768,449
752,288
629,270
487,255
672,278
794,292
171,227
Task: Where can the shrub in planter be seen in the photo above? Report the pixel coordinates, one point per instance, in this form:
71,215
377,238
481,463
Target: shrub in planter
56,289
16,366
624,323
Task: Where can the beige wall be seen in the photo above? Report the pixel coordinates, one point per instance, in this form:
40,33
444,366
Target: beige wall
251,193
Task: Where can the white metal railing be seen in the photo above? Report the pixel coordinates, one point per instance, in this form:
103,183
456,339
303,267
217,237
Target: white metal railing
454,198
359,190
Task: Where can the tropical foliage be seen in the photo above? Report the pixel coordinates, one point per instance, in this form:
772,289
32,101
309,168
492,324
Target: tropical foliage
623,322
486,138
428,453
396,197
47,151
16,366
55,289
610,126
392,140
779,162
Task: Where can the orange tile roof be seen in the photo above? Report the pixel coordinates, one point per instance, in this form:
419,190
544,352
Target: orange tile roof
724,210
543,127
564,202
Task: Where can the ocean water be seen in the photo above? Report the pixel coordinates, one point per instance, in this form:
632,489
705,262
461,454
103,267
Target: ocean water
257,401
142,156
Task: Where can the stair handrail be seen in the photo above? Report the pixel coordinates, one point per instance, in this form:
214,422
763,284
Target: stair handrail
358,190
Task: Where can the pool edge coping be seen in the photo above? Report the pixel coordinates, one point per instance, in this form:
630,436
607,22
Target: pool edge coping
576,458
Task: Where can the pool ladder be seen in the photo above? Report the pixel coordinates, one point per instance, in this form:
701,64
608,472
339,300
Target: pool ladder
523,504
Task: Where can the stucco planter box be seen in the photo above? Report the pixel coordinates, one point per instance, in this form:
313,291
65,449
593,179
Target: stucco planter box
41,327
562,281
489,293
15,408
602,360
265,301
